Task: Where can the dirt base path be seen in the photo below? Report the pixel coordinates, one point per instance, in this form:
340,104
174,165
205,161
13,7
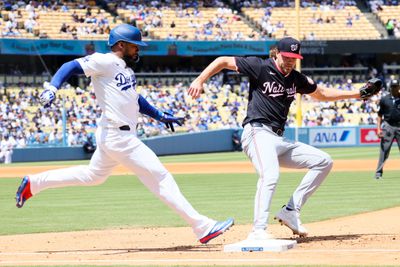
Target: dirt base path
212,167
365,239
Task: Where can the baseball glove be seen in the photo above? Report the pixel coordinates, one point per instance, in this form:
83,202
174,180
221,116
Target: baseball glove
372,87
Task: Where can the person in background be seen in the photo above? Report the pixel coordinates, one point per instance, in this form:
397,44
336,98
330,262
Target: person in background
388,124
6,149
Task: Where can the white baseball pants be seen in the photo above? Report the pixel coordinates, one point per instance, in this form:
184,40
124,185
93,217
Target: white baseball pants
123,147
7,155
268,151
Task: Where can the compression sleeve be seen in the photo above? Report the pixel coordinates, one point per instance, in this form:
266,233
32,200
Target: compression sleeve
65,72
149,110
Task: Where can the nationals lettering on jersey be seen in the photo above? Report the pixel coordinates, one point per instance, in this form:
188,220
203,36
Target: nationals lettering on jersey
115,89
271,93
275,89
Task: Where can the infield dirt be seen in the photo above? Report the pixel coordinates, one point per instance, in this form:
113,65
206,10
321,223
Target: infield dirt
364,239
211,167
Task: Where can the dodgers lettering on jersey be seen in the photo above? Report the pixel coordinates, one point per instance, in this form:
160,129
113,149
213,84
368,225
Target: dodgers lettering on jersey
115,89
125,82
271,93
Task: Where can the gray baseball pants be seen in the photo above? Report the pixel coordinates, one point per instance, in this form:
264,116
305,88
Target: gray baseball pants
268,151
389,134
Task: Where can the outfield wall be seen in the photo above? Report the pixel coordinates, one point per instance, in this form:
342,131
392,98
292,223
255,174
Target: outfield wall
214,141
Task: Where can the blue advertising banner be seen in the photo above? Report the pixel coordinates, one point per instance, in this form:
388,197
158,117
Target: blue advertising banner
154,48
51,47
193,48
239,48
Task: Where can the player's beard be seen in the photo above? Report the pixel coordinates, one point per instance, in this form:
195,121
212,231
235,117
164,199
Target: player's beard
131,61
286,70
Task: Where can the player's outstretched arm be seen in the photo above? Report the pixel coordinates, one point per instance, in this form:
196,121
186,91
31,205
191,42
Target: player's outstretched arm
165,117
63,74
220,63
323,93
372,87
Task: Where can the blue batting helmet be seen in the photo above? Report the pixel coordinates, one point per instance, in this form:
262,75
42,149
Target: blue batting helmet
126,33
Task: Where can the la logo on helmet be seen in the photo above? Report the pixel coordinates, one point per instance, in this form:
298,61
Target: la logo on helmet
294,47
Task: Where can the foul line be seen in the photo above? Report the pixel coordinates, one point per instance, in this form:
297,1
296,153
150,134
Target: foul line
177,260
80,261
351,250
101,252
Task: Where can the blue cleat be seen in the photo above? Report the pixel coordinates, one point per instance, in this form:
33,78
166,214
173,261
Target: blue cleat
217,230
23,192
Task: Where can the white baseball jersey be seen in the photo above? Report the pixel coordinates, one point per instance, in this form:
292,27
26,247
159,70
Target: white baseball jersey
115,88
7,145
6,150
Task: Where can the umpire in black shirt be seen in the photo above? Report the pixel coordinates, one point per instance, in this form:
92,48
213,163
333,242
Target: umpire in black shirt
388,127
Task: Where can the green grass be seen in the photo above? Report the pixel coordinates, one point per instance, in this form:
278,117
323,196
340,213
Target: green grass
124,202
336,153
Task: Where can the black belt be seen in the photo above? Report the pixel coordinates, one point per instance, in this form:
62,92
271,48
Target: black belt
125,128
277,130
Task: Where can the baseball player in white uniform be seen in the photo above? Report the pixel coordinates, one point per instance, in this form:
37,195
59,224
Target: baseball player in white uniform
114,84
6,149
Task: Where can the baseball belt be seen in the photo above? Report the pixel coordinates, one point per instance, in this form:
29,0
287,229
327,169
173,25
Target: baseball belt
277,130
125,128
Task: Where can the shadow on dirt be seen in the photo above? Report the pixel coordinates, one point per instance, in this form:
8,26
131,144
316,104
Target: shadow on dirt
198,248
328,238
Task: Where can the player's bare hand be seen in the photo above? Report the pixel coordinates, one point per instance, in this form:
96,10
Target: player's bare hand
379,132
196,89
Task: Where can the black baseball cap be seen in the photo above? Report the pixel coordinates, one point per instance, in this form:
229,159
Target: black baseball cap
289,47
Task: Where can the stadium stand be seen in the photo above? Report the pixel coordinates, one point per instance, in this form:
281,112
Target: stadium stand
29,124
323,23
169,20
390,17
189,23
70,21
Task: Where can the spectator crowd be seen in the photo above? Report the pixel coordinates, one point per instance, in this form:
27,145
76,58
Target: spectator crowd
183,20
24,122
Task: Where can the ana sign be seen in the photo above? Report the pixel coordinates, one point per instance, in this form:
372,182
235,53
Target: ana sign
332,136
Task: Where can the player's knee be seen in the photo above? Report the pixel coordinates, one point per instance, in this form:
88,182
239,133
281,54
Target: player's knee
322,162
96,177
327,162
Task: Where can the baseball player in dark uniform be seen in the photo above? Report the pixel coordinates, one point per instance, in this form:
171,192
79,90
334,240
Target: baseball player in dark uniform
388,127
273,86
